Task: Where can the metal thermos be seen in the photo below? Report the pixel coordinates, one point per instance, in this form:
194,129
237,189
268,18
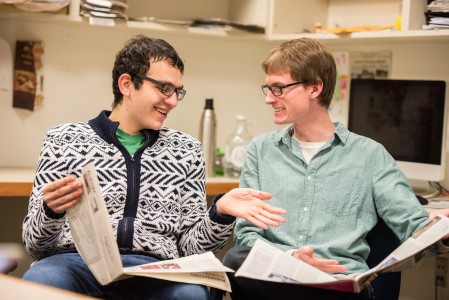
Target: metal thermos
208,127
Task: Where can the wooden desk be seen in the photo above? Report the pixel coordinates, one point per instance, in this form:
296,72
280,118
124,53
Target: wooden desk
15,288
17,182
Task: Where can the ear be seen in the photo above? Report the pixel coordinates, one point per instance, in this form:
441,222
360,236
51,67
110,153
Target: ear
316,90
125,84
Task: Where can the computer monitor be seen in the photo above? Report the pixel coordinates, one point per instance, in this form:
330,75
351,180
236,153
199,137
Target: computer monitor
407,117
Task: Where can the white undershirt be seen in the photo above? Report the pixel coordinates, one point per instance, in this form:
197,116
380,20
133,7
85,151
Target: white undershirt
309,149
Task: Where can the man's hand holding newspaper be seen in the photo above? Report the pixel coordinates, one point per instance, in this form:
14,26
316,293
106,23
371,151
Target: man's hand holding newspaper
94,239
266,262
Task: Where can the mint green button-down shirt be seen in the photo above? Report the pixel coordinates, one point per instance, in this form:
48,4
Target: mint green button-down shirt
335,200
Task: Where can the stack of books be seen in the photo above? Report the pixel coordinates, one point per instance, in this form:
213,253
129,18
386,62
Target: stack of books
39,5
437,15
108,9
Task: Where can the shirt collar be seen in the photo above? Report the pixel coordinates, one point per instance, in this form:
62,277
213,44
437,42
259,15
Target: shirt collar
285,134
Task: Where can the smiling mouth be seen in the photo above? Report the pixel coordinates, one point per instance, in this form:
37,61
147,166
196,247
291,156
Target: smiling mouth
279,109
162,111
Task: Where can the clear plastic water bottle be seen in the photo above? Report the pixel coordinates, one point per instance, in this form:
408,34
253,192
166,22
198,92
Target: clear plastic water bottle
235,151
208,135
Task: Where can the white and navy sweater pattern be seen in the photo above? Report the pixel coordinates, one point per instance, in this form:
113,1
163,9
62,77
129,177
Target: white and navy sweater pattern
156,199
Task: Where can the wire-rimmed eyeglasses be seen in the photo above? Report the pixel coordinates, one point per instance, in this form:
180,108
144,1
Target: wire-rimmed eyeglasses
166,88
277,90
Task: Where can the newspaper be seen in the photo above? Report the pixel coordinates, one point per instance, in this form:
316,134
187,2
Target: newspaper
268,263
94,239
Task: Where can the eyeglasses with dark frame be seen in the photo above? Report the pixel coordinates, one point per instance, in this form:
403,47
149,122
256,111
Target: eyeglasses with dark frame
166,88
277,90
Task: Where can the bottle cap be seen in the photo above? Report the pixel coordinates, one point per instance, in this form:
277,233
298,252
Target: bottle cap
209,103
219,153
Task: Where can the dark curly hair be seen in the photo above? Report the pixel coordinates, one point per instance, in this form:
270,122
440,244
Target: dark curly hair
134,59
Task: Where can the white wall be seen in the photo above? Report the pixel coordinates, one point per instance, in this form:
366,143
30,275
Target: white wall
78,63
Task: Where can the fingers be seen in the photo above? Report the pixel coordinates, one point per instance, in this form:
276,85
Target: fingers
333,268
248,204
62,194
57,184
267,219
271,218
306,250
305,254
444,212
256,222
258,194
274,209
257,212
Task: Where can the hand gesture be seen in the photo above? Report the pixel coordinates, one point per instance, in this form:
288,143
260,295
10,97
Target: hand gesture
62,194
250,205
306,254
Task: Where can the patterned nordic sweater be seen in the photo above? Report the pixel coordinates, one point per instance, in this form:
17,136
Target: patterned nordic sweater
156,199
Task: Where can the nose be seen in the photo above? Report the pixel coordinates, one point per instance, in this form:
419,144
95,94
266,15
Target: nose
269,98
172,100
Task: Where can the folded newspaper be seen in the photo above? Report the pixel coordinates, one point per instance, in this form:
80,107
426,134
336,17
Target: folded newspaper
94,239
268,263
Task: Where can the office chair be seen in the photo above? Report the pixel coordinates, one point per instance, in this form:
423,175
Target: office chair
382,241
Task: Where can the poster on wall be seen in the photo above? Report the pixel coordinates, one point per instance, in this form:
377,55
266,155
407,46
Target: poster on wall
370,65
338,109
364,65
28,75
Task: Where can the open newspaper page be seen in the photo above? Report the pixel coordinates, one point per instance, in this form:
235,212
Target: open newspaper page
413,249
92,230
94,239
207,270
268,263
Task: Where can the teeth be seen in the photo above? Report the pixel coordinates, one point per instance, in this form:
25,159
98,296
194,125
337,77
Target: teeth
164,112
279,109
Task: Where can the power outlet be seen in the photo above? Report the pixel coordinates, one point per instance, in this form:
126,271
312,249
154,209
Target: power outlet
441,270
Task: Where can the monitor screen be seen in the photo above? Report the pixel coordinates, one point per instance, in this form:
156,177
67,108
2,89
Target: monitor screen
407,117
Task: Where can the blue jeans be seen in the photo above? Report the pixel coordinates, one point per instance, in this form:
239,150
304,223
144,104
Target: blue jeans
69,272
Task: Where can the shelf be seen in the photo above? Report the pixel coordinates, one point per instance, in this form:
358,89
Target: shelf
409,35
227,33
18,182
231,34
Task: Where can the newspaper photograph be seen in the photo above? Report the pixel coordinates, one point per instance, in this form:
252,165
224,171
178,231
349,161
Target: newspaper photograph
268,263
94,239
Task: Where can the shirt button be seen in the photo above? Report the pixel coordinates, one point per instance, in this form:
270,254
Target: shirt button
306,209
301,237
309,177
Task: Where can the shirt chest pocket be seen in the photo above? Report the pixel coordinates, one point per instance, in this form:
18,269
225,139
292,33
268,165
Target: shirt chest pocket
339,195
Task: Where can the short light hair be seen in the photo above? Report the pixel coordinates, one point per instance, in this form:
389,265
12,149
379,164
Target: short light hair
306,60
